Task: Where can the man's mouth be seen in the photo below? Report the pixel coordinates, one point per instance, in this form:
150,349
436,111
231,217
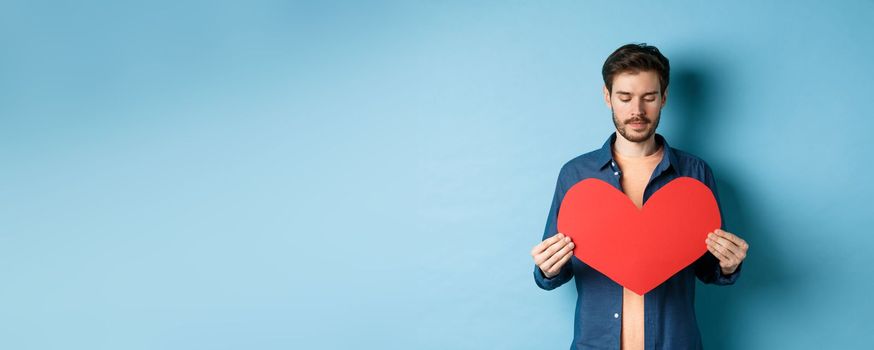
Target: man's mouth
637,124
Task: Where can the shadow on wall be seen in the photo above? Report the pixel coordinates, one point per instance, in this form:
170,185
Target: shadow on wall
719,308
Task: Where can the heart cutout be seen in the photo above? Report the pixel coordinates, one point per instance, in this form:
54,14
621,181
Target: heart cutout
639,248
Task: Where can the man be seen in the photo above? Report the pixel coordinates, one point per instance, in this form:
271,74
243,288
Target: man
638,162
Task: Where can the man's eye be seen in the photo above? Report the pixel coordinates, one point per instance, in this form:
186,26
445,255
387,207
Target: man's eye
649,100
624,99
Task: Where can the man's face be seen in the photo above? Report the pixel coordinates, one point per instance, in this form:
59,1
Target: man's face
636,104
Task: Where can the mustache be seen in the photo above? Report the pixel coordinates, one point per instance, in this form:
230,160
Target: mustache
644,120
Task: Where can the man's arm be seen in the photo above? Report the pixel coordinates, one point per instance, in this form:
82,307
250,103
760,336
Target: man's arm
721,264
565,273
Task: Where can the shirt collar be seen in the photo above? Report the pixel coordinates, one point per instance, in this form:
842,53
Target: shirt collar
605,154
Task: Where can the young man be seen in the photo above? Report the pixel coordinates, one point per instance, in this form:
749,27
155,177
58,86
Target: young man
638,162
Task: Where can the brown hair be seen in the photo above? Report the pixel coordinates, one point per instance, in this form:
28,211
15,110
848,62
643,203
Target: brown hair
634,58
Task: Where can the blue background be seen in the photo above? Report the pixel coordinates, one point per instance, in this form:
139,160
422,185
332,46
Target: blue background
302,175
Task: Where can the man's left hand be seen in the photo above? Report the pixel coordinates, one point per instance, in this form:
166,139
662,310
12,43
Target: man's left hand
731,250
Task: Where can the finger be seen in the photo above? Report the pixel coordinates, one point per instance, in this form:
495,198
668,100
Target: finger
539,248
719,246
546,243
734,238
551,245
736,252
731,249
721,242
562,248
559,264
551,262
722,258
556,246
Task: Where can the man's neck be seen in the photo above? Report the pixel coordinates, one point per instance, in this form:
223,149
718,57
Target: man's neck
635,149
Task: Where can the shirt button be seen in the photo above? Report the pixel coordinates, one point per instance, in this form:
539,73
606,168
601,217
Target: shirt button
615,173
616,315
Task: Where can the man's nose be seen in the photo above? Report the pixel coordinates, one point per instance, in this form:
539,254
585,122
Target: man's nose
637,108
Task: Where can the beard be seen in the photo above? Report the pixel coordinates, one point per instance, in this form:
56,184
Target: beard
634,136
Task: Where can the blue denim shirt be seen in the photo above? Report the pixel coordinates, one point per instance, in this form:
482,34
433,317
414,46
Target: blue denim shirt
669,312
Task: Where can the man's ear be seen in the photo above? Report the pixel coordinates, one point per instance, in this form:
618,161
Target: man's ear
665,97
607,97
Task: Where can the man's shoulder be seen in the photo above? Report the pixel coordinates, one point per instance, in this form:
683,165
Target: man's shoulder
589,161
689,161
688,164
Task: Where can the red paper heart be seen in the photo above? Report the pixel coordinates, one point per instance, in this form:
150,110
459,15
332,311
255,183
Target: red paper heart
639,248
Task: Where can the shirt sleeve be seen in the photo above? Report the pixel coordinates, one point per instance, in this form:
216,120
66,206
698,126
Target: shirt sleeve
707,266
708,271
566,272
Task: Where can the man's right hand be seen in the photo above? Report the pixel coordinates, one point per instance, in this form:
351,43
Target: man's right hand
551,254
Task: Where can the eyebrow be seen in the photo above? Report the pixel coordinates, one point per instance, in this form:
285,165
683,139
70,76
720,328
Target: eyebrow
646,93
